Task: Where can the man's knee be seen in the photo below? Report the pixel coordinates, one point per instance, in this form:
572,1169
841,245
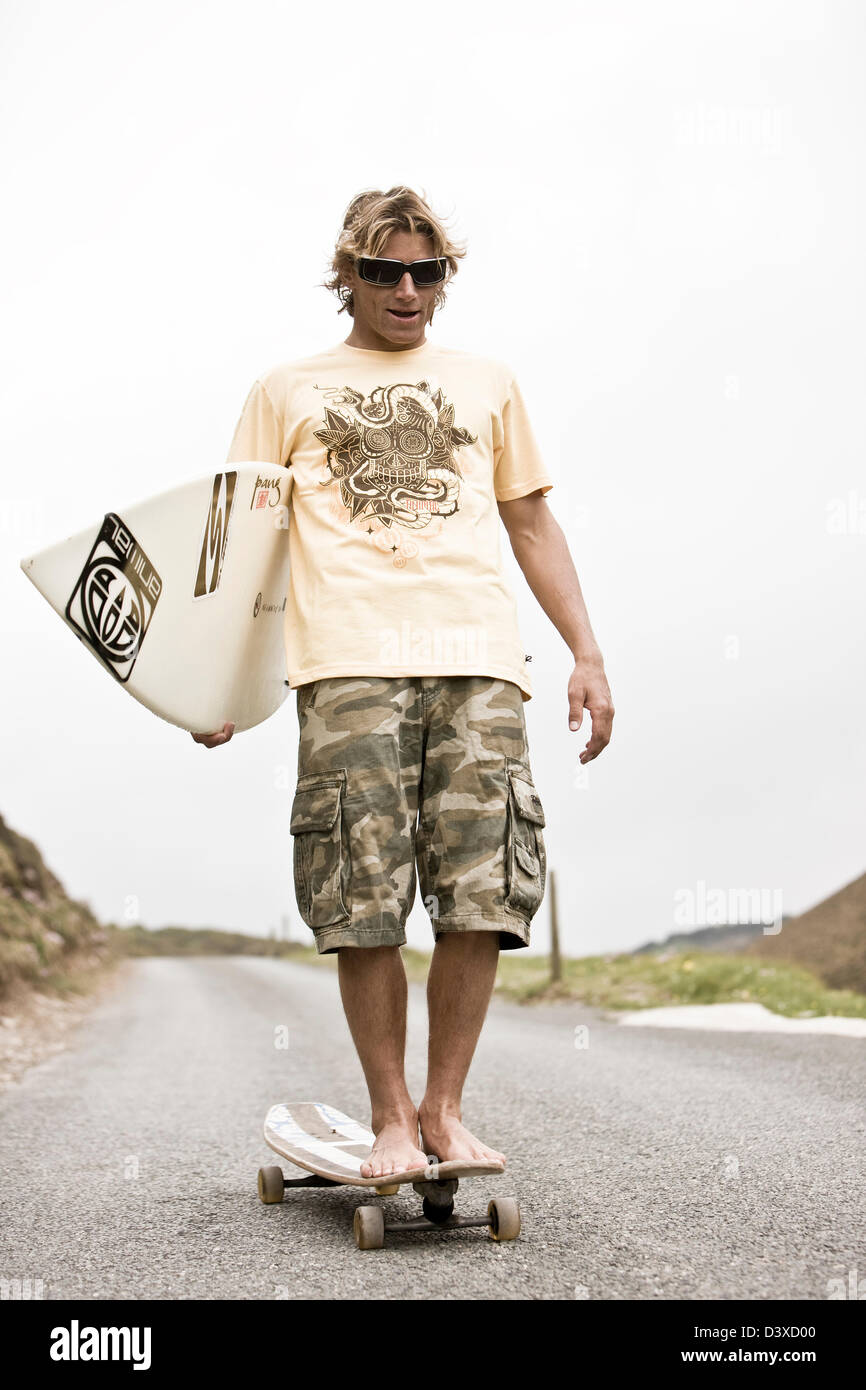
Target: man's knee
472,942
357,954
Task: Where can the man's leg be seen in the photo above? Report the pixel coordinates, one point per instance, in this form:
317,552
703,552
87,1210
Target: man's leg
355,879
374,990
468,825
459,986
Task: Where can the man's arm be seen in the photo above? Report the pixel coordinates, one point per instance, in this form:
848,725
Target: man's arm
542,553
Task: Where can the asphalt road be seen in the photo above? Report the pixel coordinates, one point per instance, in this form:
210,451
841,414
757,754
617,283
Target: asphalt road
649,1164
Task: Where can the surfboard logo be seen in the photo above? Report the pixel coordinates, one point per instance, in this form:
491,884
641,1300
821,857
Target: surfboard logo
260,607
115,597
215,535
266,493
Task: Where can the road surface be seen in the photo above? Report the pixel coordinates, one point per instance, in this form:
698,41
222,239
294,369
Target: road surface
649,1164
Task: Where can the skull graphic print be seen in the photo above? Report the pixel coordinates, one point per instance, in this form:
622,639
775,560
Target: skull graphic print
393,453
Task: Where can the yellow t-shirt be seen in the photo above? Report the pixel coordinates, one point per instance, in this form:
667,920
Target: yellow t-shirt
396,463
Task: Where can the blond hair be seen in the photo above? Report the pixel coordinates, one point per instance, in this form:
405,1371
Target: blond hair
368,222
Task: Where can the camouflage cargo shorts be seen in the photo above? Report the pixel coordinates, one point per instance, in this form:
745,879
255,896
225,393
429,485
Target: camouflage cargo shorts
417,769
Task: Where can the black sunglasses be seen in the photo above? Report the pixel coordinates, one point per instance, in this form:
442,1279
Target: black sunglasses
383,272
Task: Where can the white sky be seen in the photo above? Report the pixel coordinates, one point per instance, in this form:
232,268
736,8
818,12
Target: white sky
665,213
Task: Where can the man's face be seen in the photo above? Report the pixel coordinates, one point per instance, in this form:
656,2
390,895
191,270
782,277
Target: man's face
393,316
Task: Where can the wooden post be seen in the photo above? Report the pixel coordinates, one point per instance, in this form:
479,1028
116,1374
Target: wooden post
555,961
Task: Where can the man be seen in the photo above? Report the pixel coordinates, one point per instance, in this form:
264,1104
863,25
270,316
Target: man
402,642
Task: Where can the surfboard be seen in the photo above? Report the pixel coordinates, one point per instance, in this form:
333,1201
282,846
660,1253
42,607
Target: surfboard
181,597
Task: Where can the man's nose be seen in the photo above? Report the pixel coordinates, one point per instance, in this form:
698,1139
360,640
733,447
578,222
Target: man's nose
407,284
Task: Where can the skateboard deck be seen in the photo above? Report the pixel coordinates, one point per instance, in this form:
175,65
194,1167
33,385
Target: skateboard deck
323,1140
332,1146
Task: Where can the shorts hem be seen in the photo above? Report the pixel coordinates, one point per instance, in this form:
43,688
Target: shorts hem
513,930
330,939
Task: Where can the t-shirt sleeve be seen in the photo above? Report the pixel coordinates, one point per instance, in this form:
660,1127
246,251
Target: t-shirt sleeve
518,467
259,434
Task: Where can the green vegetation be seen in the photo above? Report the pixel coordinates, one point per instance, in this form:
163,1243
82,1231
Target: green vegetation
198,941
50,942
609,982
649,982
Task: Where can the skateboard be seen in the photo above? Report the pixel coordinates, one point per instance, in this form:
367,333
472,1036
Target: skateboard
332,1147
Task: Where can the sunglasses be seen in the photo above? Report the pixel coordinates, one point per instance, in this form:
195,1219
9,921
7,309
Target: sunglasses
383,272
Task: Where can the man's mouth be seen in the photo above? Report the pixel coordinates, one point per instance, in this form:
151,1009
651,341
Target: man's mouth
406,314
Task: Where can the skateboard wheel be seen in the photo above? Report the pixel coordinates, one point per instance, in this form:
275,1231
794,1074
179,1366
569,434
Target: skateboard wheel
387,1189
271,1184
369,1227
504,1218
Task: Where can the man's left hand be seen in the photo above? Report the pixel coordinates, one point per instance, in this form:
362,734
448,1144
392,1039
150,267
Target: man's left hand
588,689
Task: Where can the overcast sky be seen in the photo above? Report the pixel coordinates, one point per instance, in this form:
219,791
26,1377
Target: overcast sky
664,209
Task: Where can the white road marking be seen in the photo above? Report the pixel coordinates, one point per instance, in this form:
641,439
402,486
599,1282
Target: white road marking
739,1018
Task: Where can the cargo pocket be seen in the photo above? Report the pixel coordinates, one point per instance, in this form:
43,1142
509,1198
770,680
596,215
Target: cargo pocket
525,854
321,862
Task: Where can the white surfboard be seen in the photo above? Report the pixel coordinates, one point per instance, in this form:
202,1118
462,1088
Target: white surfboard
182,597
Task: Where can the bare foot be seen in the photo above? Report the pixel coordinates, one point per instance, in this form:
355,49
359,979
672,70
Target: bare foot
395,1150
445,1136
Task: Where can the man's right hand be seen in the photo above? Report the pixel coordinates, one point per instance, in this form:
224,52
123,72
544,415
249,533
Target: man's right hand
214,740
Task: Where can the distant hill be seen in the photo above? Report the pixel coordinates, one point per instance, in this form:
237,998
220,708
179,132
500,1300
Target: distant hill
829,939
43,932
199,941
727,937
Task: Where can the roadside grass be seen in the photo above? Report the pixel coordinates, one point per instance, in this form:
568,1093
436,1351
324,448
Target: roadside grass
614,982
620,982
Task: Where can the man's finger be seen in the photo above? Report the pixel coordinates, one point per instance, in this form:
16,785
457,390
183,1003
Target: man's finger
575,709
215,739
602,728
